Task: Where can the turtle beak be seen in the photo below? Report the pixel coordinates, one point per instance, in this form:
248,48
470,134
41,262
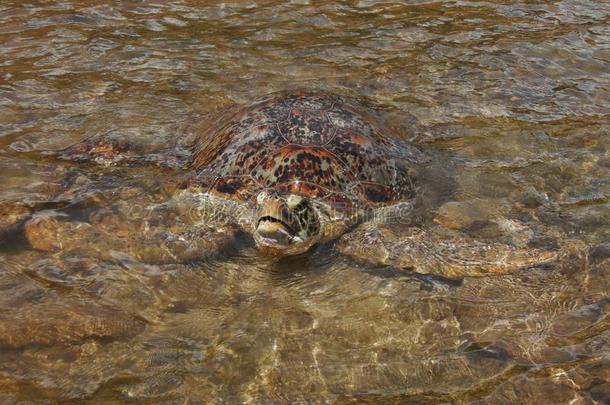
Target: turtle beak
285,225
275,233
275,226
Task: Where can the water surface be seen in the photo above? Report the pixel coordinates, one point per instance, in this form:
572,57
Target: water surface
517,93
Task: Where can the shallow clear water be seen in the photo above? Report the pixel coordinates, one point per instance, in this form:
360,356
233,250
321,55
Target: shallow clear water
518,94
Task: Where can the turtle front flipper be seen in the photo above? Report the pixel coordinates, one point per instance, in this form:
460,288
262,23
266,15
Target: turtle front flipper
438,251
154,236
121,149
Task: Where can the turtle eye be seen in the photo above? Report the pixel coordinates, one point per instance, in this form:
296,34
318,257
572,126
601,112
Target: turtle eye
293,201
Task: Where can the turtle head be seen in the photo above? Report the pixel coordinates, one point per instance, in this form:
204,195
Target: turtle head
285,224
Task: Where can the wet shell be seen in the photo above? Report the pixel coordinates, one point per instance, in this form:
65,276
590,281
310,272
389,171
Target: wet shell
306,142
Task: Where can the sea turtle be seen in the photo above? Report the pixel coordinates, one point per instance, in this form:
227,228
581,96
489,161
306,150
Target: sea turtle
292,170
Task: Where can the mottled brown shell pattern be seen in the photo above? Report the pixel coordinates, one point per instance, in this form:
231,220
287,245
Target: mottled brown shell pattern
305,142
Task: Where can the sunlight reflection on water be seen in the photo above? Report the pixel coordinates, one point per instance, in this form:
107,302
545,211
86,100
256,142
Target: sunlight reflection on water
517,94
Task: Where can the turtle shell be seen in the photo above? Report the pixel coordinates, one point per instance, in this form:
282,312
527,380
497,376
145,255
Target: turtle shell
305,142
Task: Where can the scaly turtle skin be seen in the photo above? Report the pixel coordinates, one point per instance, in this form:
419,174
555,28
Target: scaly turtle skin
292,170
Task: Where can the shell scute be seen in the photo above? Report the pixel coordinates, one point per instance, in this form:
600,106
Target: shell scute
236,187
238,125
248,149
307,127
273,110
344,119
314,164
309,100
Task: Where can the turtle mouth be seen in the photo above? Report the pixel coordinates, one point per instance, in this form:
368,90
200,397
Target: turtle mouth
273,232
